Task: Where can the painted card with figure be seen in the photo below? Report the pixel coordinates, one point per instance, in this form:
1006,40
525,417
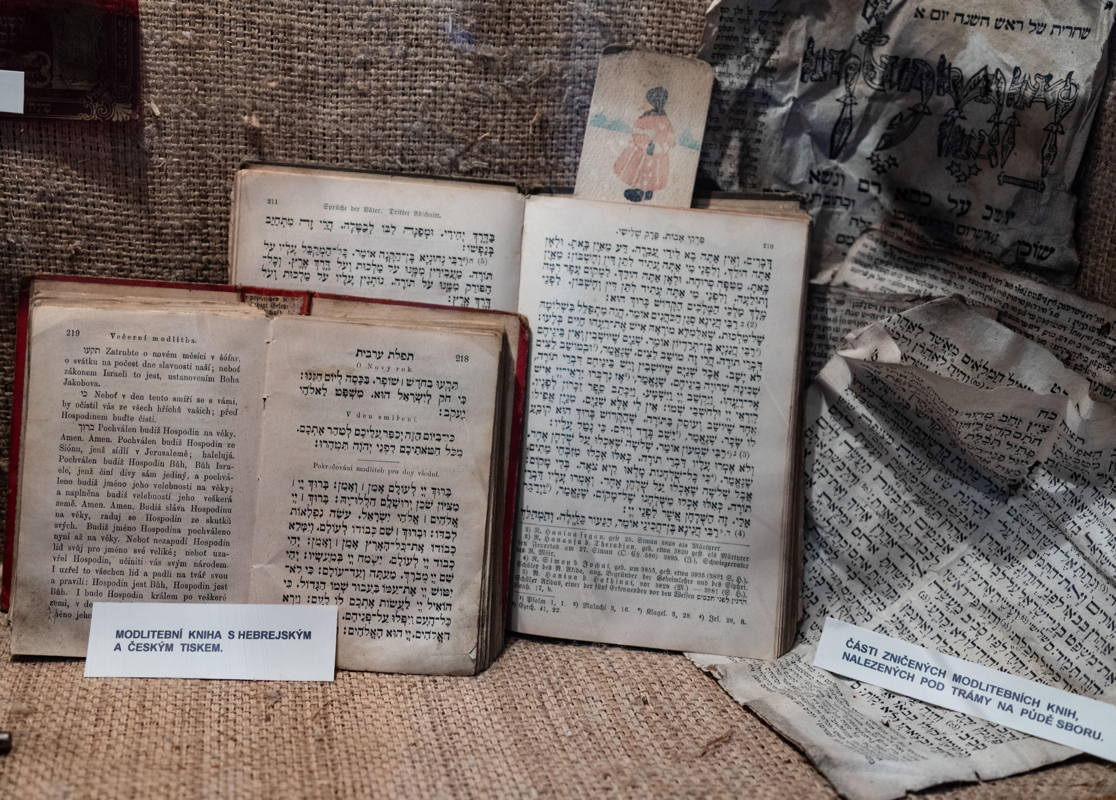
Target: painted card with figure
646,122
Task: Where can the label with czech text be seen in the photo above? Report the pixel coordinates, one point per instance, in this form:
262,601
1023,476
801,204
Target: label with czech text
1053,714
212,640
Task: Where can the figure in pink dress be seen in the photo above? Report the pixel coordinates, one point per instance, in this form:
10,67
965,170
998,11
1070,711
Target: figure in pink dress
645,163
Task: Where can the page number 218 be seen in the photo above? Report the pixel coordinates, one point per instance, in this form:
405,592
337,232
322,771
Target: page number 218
461,358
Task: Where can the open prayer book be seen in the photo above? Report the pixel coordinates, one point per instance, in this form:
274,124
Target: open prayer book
660,503
181,442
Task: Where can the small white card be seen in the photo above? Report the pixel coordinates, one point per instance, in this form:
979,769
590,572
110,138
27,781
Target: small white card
212,640
904,668
11,91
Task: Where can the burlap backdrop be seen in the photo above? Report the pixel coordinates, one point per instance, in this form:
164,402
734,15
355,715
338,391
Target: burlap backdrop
483,88
474,88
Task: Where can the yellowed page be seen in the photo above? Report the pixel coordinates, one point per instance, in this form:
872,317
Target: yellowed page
138,464
375,475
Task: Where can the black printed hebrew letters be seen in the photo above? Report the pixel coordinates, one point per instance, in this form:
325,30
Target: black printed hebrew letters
655,355
454,243
380,440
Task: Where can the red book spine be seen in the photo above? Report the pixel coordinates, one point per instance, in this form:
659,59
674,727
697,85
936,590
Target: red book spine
18,385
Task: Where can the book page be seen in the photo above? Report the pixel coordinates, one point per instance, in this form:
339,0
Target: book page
431,241
374,493
138,462
833,312
968,121
960,493
656,506
1081,333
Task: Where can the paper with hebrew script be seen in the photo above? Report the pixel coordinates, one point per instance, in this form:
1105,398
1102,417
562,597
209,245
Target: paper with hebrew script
960,495
901,262
376,459
429,241
966,121
656,503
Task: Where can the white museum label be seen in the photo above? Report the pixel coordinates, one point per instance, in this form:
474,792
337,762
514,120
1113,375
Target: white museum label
212,640
1053,714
